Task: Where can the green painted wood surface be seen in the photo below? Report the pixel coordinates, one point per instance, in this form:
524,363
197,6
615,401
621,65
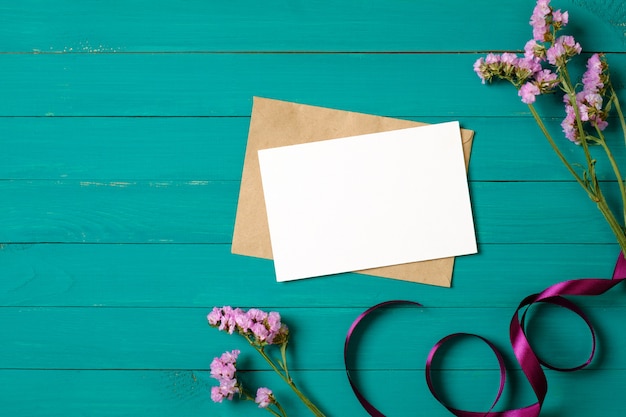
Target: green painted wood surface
122,132
250,26
222,84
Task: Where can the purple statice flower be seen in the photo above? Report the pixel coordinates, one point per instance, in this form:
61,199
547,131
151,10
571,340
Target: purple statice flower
257,315
533,49
543,81
493,59
224,369
539,21
589,101
589,110
527,67
506,66
488,66
478,69
559,18
569,127
262,327
546,80
592,78
260,332
509,58
562,50
264,397
528,92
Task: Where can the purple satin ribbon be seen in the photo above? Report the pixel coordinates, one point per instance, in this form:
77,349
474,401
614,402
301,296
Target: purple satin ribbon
529,362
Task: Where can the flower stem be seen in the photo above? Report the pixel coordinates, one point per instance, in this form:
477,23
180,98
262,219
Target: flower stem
569,89
617,229
290,382
275,413
557,150
616,170
281,409
247,396
618,109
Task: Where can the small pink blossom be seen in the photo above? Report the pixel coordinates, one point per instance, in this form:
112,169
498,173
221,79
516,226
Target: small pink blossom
216,395
561,18
546,80
492,59
257,315
273,320
528,92
532,49
509,58
569,128
592,81
478,68
570,43
264,397
263,327
564,48
260,331
602,124
538,20
554,53
223,369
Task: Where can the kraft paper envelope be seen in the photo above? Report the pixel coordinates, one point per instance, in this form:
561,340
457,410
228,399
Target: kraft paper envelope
277,123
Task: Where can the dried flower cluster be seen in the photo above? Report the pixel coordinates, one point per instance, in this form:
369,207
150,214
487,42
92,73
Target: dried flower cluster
544,69
262,330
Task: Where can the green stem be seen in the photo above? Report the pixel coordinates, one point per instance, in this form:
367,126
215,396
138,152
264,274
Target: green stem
275,413
247,396
571,92
616,170
281,409
618,109
617,229
557,150
283,354
290,382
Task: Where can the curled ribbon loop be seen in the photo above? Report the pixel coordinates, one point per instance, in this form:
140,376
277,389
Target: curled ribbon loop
373,411
529,362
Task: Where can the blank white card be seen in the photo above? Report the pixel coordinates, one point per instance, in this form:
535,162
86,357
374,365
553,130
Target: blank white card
367,201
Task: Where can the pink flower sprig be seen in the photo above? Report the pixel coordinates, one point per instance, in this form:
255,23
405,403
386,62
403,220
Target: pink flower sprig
264,397
263,331
264,328
545,21
542,69
589,101
223,369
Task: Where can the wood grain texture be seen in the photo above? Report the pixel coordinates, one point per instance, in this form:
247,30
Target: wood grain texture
212,149
138,338
203,212
36,26
223,84
184,275
122,133
183,392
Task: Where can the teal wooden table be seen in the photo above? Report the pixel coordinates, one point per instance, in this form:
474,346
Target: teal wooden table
123,127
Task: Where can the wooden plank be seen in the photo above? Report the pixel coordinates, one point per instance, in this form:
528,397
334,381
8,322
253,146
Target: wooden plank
223,84
173,275
379,25
189,148
204,212
59,393
119,211
179,338
122,149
